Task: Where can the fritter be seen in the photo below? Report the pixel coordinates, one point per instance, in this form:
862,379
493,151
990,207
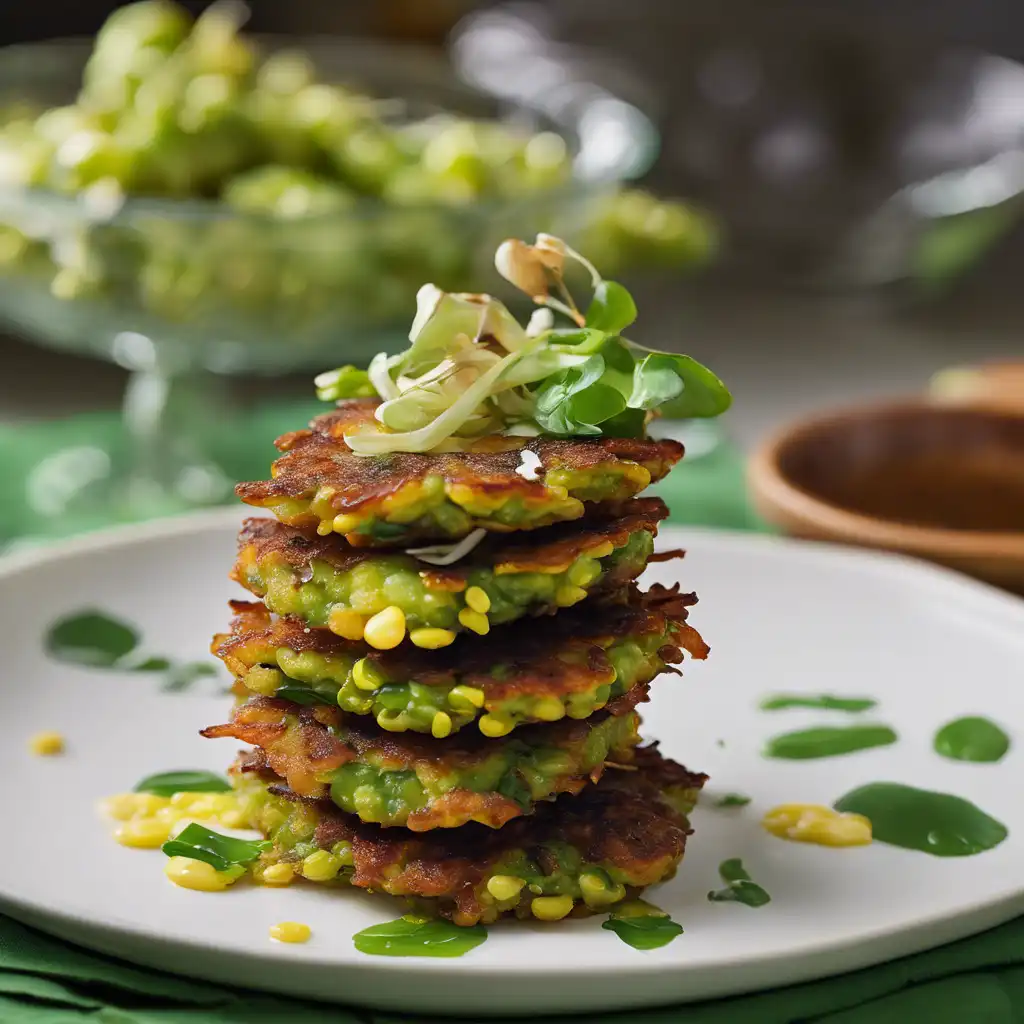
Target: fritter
386,500
424,783
571,665
597,849
326,582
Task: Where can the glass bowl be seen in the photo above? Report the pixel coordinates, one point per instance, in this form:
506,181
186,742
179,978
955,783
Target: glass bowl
185,292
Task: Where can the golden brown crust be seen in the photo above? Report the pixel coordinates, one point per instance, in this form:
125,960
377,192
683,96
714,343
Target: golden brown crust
319,457
558,654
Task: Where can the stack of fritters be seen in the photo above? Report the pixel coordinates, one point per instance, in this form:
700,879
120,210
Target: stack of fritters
441,676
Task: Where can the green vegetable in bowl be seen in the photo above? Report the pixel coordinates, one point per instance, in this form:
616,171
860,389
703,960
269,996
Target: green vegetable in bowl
472,369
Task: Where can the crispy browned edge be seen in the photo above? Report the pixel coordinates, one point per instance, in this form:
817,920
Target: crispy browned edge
622,822
318,456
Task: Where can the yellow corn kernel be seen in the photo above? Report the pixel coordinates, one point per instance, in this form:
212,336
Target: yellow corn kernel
290,931
598,891
504,887
551,908
476,621
46,744
324,529
391,722
346,623
492,726
386,629
470,694
603,550
584,571
549,709
233,819
125,806
441,726
811,823
342,849
431,639
569,595
263,680
320,866
477,599
278,874
143,833
184,800
363,675
198,875
346,523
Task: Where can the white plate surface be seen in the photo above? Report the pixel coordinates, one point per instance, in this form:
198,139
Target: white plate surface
780,616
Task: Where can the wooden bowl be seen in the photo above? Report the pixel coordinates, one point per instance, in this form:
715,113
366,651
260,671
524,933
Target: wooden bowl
942,482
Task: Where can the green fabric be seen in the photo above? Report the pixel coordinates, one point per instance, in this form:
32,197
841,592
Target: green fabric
46,981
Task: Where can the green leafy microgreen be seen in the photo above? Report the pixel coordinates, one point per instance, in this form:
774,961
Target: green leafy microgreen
612,308
344,382
303,695
220,851
649,932
414,937
169,783
740,887
91,638
702,396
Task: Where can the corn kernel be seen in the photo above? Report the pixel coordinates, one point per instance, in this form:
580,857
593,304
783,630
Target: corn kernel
263,680
125,806
346,523
811,823
346,623
364,676
431,639
477,599
198,875
233,819
342,849
549,709
46,744
584,571
603,550
290,931
390,721
278,874
441,726
598,891
324,529
184,800
320,866
143,833
551,908
470,694
386,629
476,621
504,887
569,595
492,726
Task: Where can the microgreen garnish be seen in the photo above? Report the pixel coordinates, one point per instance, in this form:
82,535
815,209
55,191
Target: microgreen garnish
169,783
646,931
471,368
220,851
739,887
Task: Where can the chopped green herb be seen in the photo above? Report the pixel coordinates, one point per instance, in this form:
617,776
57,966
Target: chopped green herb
740,888
410,936
828,741
91,638
823,702
732,800
169,783
303,695
650,932
220,851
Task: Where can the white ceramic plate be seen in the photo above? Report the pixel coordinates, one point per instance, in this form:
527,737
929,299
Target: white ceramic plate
779,615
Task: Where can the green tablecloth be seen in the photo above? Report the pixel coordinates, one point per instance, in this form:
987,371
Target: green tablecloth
45,981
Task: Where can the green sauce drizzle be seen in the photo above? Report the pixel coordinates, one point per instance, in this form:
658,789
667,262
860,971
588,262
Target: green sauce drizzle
823,702
828,741
642,926
739,887
972,739
412,936
732,800
919,819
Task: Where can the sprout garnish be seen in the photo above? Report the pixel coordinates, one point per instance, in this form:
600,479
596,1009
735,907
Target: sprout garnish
472,369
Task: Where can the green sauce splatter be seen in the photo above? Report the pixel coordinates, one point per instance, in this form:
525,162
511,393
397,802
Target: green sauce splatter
739,887
823,702
412,936
828,741
919,819
972,739
732,800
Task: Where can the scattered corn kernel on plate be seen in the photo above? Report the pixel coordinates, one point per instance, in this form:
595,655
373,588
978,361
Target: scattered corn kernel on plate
834,674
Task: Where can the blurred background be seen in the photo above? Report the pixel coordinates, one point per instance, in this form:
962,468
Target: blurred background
821,200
